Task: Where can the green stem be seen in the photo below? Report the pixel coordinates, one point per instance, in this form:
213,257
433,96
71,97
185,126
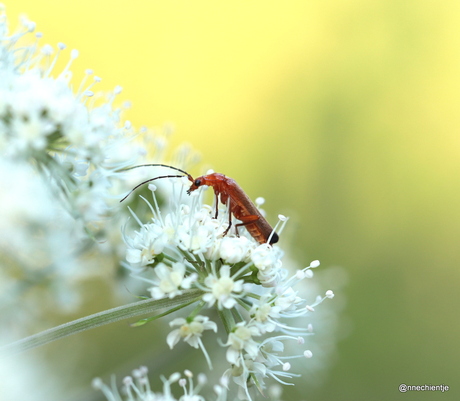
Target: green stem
197,310
227,319
99,319
169,257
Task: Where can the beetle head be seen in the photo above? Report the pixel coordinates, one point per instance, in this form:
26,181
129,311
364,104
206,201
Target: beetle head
196,183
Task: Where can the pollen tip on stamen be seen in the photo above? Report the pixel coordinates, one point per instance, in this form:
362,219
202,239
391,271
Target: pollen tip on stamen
97,79
47,50
128,380
117,90
97,383
309,308
310,327
29,25
309,274
39,35
174,377
182,382
260,201
61,46
300,274
74,54
286,366
330,294
188,373
202,379
88,93
300,340
89,71
282,217
315,263
307,354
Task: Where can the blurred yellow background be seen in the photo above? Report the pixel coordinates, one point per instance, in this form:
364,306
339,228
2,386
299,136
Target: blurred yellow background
345,116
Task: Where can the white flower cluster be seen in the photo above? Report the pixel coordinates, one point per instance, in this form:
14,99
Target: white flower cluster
62,153
137,388
74,139
184,247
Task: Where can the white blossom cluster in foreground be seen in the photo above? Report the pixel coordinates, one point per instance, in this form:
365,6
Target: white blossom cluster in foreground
183,247
62,150
137,388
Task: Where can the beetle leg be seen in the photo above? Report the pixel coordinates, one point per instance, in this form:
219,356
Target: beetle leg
245,220
217,205
229,218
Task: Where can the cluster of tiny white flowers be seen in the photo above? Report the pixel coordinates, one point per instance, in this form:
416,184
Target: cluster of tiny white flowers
63,152
74,139
183,247
137,388
54,173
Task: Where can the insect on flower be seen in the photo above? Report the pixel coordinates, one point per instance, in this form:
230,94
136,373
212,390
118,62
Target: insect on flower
232,195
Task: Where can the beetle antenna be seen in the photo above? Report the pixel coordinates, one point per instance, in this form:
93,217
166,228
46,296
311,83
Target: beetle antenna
159,165
151,179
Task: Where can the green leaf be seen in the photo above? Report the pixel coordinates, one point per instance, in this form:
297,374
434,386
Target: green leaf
101,319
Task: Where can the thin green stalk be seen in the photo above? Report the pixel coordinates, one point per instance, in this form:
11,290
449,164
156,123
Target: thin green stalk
227,319
100,319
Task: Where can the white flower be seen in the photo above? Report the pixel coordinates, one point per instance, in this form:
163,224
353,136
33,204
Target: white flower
222,288
197,239
234,250
145,245
190,331
288,299
267,259
241,340
241,375
170,280
264,313
275,365
266,256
